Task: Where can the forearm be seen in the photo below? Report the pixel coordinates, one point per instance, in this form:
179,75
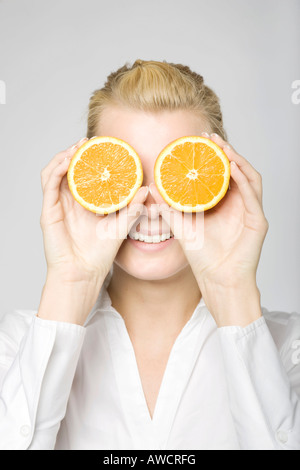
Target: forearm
68,302
238,305
263,385
38,365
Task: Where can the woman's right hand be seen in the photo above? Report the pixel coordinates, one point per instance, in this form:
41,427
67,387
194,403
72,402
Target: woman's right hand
76,247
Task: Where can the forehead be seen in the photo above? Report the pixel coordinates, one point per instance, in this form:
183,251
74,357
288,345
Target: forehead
149,132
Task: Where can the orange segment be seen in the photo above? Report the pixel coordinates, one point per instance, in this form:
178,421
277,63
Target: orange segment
104,174
192,174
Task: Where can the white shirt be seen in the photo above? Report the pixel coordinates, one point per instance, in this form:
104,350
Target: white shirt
65,386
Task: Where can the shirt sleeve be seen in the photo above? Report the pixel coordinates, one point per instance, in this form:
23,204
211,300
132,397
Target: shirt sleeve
262,364
38,359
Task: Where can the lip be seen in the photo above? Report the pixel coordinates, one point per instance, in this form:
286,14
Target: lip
151,246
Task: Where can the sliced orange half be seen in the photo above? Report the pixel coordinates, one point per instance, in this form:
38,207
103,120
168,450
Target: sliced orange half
104,174
192,174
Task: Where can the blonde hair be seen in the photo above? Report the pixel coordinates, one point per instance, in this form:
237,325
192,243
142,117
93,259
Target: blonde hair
154,86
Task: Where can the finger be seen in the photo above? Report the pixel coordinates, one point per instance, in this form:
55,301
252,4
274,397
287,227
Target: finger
52,186
129,214
253,176
161,206
136,207
69,152
254,219
61,155
156,194
246,166
251,203
186,227
171,216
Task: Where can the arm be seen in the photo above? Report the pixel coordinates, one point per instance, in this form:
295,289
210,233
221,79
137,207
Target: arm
263,381
224,261
37,366
37,369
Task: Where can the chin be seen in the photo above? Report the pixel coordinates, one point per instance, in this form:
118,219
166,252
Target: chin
151,266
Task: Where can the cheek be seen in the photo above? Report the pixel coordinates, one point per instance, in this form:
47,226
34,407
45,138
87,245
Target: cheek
151,266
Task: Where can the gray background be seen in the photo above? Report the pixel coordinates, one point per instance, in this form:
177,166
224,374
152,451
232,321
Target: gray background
53,55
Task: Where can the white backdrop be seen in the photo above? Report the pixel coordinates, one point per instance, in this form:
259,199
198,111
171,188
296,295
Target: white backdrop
53,55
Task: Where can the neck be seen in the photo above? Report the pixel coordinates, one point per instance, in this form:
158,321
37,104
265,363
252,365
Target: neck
154,310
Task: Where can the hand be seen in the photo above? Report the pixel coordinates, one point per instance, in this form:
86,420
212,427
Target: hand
227,257
74,249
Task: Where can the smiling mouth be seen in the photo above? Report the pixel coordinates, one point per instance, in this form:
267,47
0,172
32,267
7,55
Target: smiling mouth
150,238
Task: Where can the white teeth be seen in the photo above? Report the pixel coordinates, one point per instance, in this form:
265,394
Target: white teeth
148,238
156,238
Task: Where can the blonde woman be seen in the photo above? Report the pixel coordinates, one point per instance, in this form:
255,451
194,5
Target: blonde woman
139,345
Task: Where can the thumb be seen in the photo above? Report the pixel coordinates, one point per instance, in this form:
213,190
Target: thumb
156,195
188,228
170,215
129,214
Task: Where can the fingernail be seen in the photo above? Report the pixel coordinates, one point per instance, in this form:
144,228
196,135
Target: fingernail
232,163
150,189
81,140
228,147
145,192
205,134
77,143
214,135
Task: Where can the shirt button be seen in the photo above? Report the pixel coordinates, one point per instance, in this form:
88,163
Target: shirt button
25,430
282,436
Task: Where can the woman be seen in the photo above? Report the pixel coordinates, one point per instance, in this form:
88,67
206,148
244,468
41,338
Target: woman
175,352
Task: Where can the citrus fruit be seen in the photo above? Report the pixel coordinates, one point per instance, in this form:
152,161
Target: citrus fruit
192,174
104,174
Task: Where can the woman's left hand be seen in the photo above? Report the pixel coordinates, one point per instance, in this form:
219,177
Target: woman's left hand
226,257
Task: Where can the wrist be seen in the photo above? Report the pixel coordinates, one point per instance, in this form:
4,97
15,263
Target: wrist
68,301
236,305
70,274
